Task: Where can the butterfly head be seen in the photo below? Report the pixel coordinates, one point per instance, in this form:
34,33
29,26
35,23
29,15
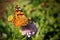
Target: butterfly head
18,8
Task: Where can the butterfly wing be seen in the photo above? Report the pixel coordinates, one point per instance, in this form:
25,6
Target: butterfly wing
20,19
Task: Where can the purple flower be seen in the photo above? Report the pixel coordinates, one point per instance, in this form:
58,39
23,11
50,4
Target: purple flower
29,29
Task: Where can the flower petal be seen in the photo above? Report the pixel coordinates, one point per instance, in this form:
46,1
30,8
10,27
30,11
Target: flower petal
28,35
29,29
33,33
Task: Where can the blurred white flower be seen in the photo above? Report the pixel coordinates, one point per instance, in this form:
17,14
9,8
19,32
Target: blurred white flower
29,29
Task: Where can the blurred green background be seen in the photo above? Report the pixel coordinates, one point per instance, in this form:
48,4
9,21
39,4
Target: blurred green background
45,13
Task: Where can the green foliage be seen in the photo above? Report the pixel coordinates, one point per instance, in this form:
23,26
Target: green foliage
46,15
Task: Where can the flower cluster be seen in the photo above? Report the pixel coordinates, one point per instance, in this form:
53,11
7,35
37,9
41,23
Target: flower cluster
29,29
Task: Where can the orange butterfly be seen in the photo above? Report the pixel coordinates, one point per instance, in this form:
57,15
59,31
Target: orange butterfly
19,18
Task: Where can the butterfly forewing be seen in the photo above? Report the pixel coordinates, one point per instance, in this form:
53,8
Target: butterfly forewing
19,19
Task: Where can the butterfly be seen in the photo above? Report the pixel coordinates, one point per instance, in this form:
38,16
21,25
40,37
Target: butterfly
19,18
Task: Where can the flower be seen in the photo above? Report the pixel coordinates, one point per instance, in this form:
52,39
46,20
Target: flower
29,29
10,18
